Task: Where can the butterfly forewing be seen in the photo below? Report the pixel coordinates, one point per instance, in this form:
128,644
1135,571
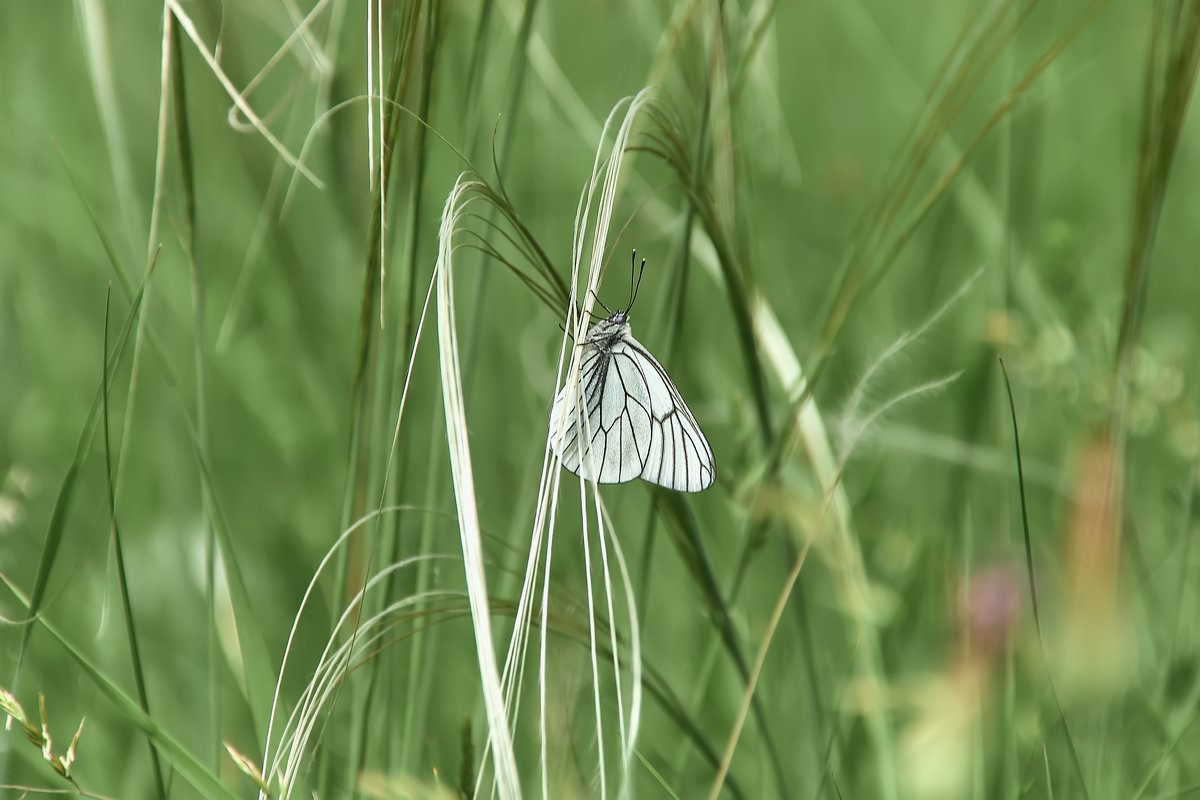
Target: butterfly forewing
635,424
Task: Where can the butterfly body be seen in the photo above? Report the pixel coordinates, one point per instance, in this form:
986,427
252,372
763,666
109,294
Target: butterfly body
607,333
635,425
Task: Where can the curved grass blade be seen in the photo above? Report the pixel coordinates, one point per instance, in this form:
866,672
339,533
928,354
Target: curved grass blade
139,677
1075,762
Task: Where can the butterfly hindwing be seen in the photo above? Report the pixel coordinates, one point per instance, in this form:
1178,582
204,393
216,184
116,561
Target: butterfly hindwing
680,457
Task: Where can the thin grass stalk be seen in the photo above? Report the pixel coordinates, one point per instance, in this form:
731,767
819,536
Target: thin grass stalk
612,631
739,299
628,730
1172,64
169,43
402,342
373,42
973,200
500,156
1033,597
690,545
974,63
591,606
135,654
1174,51
542,677
422,651
375,39
365,359
183,141
958,50
270,210
755,673
238,97
356,568
423,579
1076,762
754,41
419,151
52,541
1077,25
1183,559
311,54
93,29
480,47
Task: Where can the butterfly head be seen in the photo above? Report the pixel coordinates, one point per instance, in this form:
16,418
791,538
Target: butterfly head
606,332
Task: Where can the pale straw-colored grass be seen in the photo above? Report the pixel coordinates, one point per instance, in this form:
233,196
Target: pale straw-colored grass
502,690
358,638
500,742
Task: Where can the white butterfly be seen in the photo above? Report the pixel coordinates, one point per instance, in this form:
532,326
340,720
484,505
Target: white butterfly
637,425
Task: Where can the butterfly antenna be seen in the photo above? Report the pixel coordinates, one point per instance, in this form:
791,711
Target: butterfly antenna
634,284
601,302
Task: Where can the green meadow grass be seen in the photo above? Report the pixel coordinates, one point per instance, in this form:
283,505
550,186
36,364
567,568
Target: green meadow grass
851,210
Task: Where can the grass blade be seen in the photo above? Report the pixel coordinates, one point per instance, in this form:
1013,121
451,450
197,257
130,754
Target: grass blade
135,655
172,750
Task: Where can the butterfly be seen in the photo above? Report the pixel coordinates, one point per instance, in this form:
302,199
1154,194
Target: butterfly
636,425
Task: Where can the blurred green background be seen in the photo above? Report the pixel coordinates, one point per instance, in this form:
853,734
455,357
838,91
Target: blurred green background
1003,178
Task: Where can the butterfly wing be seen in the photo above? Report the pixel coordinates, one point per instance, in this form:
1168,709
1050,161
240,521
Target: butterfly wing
679,456
634,423
609,441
